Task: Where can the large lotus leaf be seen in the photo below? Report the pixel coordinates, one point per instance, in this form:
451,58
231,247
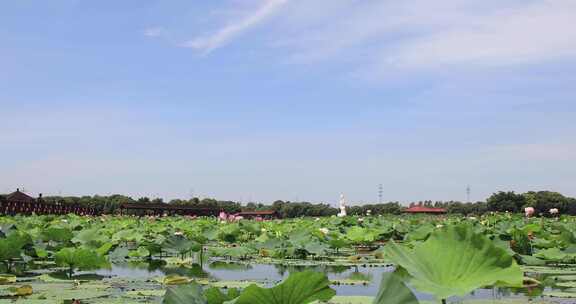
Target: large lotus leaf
504,245
316,248
8,250
358,235
119,254
57,234
420,234
455,261
394,291
215,296
179,244
552,254
530,260
299,288
184,294
235,252
300,237
80,258
90,238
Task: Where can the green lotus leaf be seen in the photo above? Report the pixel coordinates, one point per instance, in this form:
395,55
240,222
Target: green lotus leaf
90,238
57,234
552,254
215,296
454,261
141,252
530,260
299,288
80,258
420,234
179,244
358,234
394,291
184,294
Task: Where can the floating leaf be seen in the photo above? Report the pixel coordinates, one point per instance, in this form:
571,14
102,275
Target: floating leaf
24,290
6,278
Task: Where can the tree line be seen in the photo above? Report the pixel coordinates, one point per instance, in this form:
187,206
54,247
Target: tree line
541,201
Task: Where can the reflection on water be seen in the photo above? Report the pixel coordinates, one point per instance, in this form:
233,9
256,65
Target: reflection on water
269,274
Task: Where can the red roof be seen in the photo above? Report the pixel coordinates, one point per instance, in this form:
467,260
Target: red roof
420,209
19,197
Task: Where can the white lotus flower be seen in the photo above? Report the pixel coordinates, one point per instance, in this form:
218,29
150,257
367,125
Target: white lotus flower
554,211
324,230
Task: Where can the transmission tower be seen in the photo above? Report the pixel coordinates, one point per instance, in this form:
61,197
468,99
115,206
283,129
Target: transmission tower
380,190
468,193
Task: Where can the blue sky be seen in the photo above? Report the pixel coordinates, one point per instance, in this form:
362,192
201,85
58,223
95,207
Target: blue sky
288,99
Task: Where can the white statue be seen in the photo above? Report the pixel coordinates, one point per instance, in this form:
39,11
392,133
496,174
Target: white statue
342,206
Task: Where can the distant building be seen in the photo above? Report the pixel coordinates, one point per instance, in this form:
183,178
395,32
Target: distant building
19,197
426,210
269,214
20,203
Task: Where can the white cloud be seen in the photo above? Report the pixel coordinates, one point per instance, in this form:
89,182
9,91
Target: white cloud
530,34
385,35
378,37
234,28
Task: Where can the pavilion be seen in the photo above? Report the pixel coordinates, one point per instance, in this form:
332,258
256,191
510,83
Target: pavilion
19,202
425,210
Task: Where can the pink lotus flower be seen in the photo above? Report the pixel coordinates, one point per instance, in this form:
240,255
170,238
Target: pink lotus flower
223,216
529,211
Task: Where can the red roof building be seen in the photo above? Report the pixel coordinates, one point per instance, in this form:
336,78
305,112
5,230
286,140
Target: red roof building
421,209
19,197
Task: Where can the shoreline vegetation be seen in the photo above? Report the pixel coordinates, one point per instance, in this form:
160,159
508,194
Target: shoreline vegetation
541,201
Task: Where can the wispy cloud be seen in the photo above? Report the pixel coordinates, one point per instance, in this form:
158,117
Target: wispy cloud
385,35
222,36
377,38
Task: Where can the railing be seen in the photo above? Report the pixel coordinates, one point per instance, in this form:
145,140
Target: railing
29,208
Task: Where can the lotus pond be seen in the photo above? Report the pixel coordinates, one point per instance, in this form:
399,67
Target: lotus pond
499,258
